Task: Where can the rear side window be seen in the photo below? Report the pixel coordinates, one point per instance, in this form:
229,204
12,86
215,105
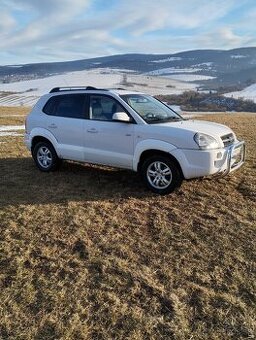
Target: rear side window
72,106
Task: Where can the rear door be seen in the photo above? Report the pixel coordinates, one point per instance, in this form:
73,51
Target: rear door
107,141
66,118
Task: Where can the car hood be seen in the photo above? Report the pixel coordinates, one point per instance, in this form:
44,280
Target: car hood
181,133
214,129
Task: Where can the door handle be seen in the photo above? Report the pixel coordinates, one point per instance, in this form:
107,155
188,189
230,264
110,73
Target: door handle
52,126
93,130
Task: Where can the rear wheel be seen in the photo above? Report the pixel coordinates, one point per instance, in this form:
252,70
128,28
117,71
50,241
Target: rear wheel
161,174
45,157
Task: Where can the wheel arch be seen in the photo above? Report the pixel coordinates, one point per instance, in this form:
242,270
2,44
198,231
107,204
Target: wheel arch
38,139
155,152
40,135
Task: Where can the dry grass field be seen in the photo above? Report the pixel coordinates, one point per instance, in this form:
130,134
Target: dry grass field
88,253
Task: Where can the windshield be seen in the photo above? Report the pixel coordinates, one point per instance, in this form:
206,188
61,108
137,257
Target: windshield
150,109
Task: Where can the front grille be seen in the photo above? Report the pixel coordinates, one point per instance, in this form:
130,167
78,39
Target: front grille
228,139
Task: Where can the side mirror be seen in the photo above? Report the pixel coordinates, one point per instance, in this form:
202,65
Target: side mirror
121,117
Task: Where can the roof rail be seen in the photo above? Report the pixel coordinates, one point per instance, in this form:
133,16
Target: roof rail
72,88
84,88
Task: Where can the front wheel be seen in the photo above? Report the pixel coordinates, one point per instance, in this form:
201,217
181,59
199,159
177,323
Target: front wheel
45,157
161,174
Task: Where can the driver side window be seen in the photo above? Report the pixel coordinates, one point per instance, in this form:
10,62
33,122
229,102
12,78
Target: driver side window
103,107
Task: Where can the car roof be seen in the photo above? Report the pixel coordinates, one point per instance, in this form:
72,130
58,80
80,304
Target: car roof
90,89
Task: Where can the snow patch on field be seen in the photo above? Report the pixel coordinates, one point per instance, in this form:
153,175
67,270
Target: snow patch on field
206,66
11,127
189,77
11,130
18,99
10,134
248,93
37,87
26,93
209,63
11,115
167,59
169,70
238,56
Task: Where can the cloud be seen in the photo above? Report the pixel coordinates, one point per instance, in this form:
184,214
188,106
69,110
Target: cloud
7,22
228,37
67,29
56,7
48,16
147,15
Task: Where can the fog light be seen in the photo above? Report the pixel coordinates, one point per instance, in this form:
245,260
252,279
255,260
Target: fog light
219,155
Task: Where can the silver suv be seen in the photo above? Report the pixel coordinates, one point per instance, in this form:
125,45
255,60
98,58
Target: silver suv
129,130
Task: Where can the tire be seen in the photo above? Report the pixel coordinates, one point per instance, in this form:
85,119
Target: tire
45,157
161,174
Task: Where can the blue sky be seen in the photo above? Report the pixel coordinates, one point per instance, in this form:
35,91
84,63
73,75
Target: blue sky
58,30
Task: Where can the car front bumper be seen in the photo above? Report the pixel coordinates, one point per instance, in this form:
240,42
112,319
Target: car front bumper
201,163
235,159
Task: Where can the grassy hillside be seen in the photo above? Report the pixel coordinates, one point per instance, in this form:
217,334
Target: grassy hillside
88,253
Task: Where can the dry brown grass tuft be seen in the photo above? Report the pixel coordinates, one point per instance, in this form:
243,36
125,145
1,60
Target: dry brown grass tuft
13,115
88,253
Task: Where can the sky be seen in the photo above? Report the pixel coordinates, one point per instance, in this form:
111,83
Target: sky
58,30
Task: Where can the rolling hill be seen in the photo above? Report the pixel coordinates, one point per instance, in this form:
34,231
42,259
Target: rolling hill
224,68
201,70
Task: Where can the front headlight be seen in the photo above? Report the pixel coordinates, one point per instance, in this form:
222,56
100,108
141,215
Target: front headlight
205,141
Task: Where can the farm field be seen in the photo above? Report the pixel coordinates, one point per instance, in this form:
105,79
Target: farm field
26,93
88,253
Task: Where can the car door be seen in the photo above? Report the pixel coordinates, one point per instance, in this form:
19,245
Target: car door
66,117
108,141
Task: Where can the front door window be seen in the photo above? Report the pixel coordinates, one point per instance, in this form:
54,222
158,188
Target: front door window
103,107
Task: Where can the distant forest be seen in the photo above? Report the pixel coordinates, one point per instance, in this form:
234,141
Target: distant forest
198,101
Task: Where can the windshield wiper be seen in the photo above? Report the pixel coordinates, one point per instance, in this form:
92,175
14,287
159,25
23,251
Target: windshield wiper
169,119
163,120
